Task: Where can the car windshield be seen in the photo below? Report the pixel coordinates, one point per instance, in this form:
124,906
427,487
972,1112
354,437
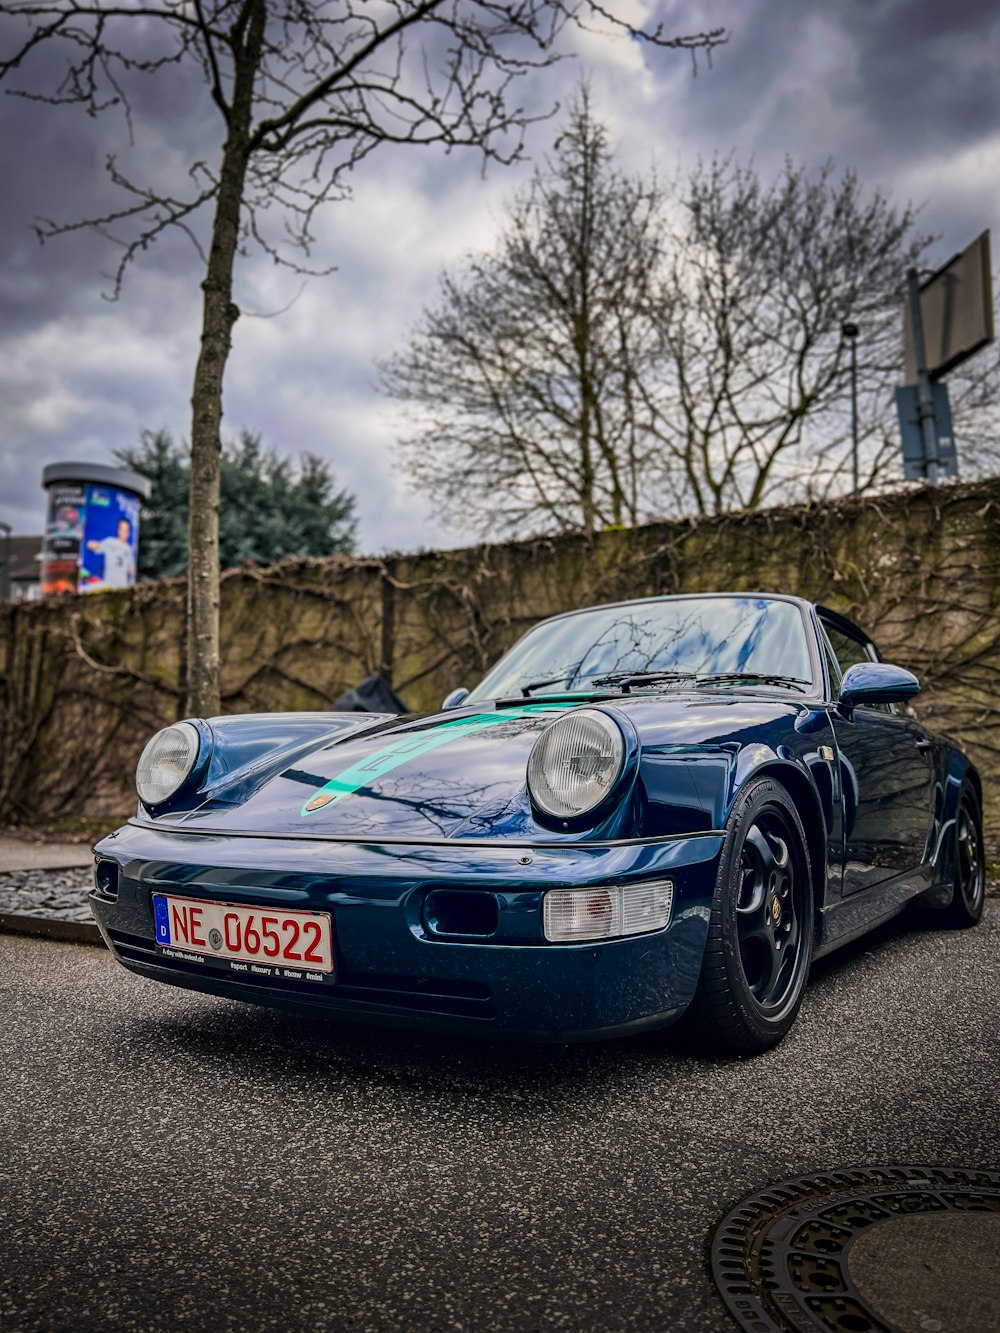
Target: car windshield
675,640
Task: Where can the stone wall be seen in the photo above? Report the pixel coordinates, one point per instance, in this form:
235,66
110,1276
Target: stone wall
85,680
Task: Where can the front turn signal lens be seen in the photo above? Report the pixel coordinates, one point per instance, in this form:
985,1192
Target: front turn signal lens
572,915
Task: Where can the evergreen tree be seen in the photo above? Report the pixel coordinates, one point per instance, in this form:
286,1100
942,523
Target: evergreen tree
269,507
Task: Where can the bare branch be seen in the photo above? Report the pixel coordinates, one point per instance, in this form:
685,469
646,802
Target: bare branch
163,212
211,60
379,38
306,90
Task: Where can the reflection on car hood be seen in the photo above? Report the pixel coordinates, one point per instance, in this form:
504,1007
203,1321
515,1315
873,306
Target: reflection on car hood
458,774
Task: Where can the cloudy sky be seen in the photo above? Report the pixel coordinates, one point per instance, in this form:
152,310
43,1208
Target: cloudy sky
906,91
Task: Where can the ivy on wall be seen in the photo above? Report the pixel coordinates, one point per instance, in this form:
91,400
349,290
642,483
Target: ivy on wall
85,680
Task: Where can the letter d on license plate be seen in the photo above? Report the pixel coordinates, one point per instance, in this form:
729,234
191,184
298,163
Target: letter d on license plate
256,942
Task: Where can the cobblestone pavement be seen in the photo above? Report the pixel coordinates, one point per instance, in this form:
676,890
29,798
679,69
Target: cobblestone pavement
60,895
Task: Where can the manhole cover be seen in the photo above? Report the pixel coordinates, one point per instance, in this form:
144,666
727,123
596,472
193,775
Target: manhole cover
899,1249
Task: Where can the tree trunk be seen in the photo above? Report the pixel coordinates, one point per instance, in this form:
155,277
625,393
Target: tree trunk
219,314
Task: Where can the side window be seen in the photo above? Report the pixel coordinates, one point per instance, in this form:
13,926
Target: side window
848,651
832,665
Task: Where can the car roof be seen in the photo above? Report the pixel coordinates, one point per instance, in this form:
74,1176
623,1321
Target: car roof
841,622
802,602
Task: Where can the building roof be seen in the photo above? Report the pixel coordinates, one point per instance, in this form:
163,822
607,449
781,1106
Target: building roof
25,558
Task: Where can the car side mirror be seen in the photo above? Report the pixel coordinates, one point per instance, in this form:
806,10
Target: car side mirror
456,697
877,683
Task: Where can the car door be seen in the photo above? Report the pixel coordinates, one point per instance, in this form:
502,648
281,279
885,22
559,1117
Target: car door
886,774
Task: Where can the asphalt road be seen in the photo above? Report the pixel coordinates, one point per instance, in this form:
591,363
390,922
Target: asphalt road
172,1161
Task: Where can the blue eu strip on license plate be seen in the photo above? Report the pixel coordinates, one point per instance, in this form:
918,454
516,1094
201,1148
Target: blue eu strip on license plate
161,920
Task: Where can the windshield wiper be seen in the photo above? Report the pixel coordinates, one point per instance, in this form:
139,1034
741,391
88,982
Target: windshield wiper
626,679
537,685
758,678
623,679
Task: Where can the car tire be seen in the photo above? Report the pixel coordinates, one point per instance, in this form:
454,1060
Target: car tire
965,907
760,934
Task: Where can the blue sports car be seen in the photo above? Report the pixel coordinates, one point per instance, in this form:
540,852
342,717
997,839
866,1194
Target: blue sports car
655,810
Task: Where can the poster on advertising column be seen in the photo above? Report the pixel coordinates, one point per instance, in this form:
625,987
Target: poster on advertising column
92,527
110,539
63,538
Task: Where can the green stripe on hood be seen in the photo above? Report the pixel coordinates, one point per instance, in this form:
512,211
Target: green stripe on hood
413,744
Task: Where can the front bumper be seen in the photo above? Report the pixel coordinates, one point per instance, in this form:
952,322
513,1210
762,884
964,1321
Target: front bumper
391,966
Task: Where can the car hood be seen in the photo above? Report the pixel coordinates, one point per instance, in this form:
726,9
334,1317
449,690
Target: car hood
457,774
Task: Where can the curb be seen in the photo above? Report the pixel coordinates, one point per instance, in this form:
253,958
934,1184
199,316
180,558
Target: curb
46,927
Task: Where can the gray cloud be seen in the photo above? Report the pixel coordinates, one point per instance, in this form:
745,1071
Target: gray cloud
877,85
906,91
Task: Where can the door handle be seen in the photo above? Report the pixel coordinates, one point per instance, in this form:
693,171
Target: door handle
925,745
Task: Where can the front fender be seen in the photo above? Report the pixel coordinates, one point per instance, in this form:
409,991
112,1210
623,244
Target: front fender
694,789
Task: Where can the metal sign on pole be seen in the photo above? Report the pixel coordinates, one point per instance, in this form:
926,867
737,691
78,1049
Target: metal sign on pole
912,434
925,402
956,312
948,318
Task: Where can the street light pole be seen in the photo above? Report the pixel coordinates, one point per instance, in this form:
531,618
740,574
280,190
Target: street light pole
925,400
5,570
850,332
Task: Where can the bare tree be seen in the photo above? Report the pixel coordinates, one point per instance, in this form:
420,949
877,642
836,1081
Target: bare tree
753,400
630,349
525,374
305,90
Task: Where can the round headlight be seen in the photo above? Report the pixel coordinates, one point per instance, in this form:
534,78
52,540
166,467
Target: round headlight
166,762
574,764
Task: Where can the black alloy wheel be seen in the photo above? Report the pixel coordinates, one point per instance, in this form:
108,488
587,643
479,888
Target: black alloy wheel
768,911
760,935
969,883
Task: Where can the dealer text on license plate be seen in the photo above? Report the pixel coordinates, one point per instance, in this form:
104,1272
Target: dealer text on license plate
259,942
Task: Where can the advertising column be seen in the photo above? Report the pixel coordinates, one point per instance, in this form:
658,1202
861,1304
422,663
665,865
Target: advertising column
92,527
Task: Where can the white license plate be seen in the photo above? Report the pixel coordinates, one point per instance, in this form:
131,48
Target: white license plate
259,942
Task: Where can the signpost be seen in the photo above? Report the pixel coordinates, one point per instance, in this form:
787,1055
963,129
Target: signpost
912,428
948,318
